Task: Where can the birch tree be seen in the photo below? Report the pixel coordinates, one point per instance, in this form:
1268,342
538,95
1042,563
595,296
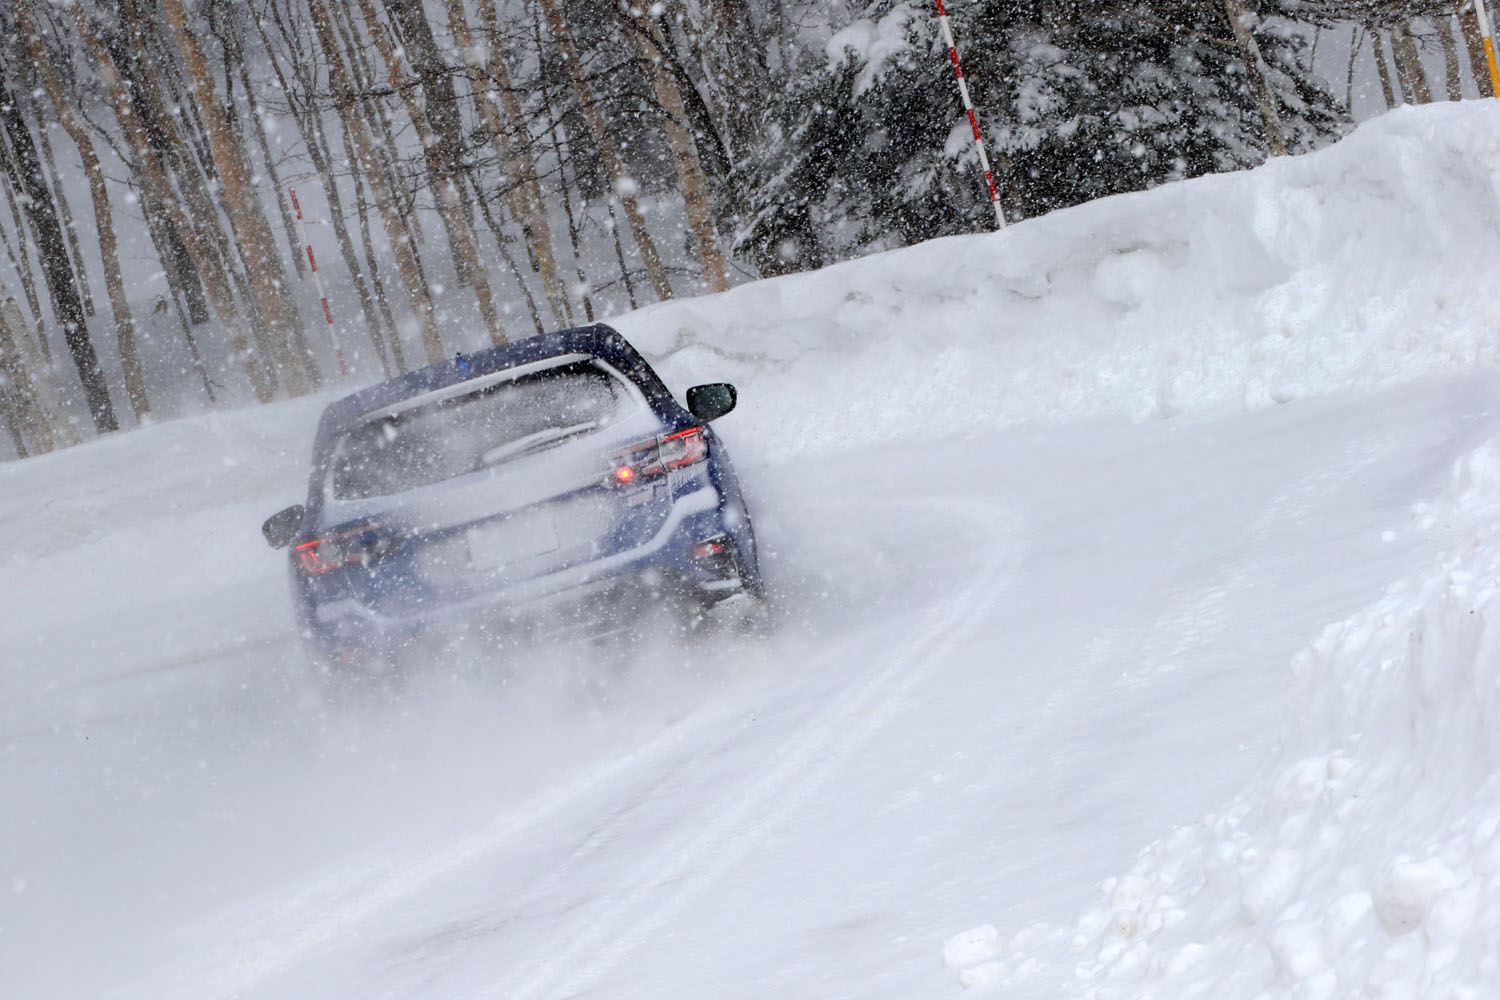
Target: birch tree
500,112
52,253
114,282
443,143
35,426
1468,22
624,186
646,34
443,179
1239,23
400,239
734,69
267,279
314,139
159,196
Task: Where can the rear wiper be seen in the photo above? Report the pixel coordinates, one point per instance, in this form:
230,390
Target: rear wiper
531,442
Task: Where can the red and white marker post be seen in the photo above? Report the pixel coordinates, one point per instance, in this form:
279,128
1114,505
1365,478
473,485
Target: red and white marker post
333,332
963,89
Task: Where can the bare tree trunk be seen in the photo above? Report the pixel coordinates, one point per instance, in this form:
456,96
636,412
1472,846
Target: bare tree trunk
445,143
1453,81
440,102
234,55
310,126
57,269
1479,64
1382,70
1409,65
734,69
443,179
508,257
10,410
557,152
268,280
114,282
132,50
37,420
624,186
1354,41
372,262
377,121
646,35
514,154
390,356
713,151
43,383
30,426
183,276
406,263
20,257
614,232
1403,76
158,190
175,136
1239,23
65,213
193,352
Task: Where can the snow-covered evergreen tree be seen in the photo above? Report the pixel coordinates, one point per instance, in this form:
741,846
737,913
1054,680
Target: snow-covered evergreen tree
1078,99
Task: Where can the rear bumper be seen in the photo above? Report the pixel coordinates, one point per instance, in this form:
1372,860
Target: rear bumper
582,601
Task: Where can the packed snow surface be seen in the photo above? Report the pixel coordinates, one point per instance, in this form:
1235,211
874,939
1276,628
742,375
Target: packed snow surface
1134,572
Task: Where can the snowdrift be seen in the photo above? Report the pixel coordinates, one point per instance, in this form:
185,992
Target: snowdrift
1365,859
1352,268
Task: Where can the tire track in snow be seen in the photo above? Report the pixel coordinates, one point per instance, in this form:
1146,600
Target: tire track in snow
335,907
694,861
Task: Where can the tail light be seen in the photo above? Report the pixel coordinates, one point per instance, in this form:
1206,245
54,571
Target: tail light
658,455
711,548
356,546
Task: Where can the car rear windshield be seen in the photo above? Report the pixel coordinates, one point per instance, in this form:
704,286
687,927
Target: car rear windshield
465,432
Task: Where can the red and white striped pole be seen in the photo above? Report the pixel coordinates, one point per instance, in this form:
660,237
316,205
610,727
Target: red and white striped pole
963,89
318,280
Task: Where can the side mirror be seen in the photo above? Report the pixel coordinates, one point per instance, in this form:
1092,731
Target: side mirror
711,401
281,527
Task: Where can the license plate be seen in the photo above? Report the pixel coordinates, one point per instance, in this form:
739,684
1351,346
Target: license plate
511,539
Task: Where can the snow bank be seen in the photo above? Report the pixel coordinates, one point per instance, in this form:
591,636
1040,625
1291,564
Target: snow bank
1365,860
1352,268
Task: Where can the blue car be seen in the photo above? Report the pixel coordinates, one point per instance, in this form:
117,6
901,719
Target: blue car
549,486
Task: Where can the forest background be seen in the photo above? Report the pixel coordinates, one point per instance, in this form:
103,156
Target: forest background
469,171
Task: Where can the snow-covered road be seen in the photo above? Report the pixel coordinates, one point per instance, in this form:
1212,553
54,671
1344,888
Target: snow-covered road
1005,663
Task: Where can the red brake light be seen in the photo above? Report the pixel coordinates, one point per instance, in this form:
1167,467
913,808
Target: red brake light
682,448
350,547
658,455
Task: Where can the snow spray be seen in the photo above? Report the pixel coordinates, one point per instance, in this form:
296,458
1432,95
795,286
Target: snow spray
963,89
333,332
